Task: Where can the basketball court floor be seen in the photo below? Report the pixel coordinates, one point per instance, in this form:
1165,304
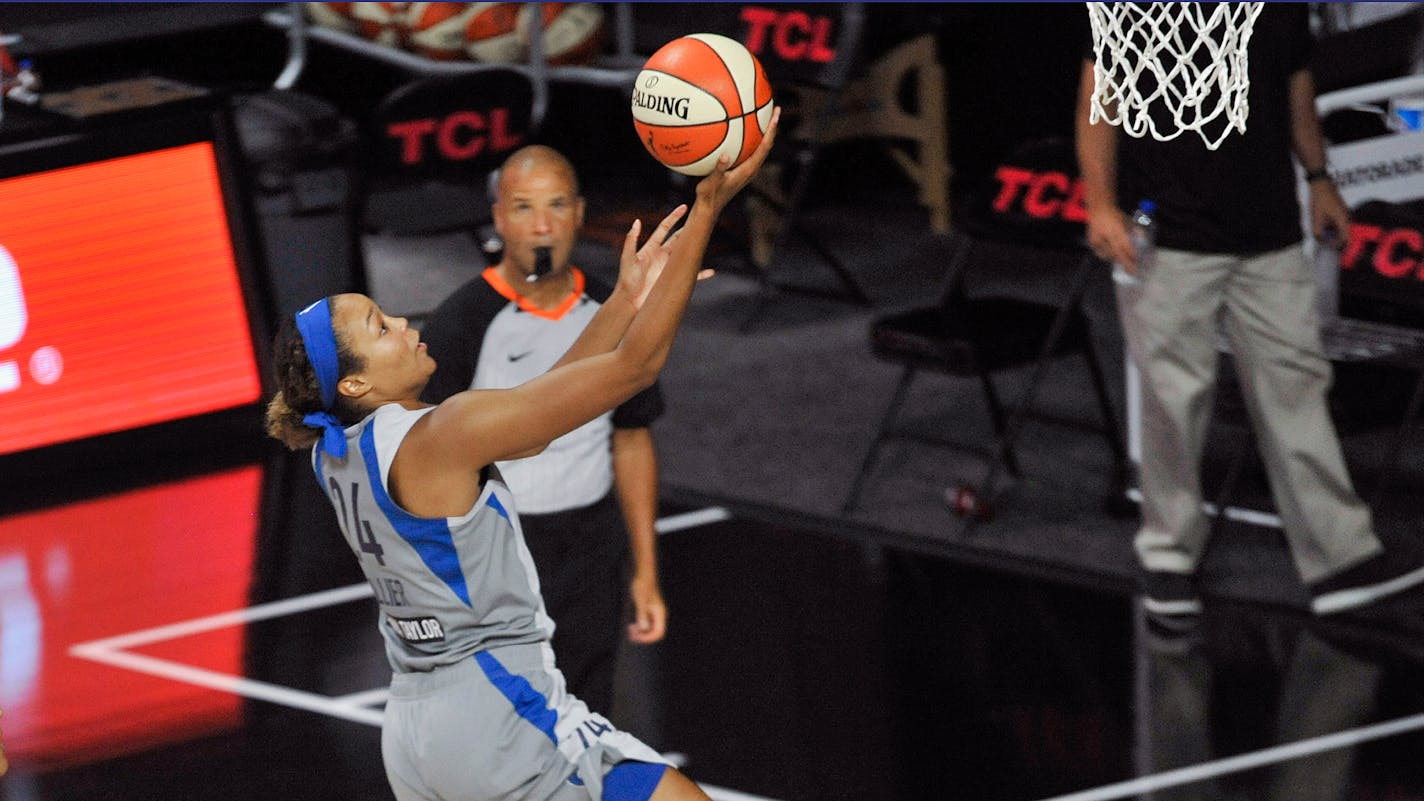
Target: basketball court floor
195,629
202,634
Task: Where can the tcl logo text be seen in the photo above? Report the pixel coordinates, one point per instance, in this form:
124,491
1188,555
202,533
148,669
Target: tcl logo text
1390,252
793,35
1044,195
458,136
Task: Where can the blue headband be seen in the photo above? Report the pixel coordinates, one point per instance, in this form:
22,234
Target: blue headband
314,324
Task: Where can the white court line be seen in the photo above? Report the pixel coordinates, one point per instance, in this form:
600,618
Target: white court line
723,794
223,620
339,595
699,517
353,707
365,698
111,651
1243,762
1252,516
225,682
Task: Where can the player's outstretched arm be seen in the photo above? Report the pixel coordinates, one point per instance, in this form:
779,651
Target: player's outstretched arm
674,786
477,427
638,270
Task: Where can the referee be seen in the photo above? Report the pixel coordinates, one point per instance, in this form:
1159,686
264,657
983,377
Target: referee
589,500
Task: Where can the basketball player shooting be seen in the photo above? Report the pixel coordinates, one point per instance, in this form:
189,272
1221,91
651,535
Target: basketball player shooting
478,708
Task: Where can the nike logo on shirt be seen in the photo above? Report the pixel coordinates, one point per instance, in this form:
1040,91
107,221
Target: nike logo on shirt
514,357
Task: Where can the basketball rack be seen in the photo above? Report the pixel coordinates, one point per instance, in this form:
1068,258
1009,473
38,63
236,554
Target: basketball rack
617,71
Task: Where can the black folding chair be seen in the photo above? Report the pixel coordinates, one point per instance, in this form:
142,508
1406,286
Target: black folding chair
818,60
978,333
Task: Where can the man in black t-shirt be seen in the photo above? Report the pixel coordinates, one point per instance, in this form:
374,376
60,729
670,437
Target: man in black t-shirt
1229,257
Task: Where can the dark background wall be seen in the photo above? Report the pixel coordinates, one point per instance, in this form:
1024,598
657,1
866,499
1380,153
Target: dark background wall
1011,68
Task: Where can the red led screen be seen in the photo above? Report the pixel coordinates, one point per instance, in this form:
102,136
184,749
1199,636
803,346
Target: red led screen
120,301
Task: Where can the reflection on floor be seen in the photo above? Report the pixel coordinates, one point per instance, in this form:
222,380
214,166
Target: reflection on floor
209,637
112,564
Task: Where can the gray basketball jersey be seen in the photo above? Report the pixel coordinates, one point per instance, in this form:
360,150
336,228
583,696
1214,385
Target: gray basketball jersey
447,587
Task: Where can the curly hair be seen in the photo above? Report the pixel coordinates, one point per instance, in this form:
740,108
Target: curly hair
299,393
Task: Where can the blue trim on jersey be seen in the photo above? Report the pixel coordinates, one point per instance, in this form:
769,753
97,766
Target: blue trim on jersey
528,702
632,781
430,537
499,507
316,467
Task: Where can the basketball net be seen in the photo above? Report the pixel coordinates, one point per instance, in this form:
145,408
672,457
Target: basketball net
1166,68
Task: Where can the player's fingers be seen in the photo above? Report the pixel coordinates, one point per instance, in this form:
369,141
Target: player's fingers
664,229
763,149
630,242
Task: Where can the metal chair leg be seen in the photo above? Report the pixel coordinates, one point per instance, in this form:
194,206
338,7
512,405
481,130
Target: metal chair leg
791,226
977,503
1000,422
1391,462
887,424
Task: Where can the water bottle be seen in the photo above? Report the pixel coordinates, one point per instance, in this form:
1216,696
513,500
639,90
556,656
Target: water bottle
25,86
1327,275
1143,235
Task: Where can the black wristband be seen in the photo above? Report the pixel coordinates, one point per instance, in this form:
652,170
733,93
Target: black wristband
1322,174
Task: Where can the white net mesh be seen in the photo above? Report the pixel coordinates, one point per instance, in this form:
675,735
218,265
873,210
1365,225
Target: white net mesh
1166,68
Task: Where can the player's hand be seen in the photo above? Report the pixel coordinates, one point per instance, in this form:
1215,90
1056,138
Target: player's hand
639,267
649,612
1108,237
723,184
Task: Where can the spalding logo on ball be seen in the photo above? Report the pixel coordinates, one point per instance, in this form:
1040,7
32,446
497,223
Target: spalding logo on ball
698,97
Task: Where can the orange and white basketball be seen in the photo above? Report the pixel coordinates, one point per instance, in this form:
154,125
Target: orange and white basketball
332,15
492,33
437,30
699,97
380,22
573,32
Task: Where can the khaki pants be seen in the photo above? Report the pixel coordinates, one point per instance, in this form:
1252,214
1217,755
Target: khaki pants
1266,305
